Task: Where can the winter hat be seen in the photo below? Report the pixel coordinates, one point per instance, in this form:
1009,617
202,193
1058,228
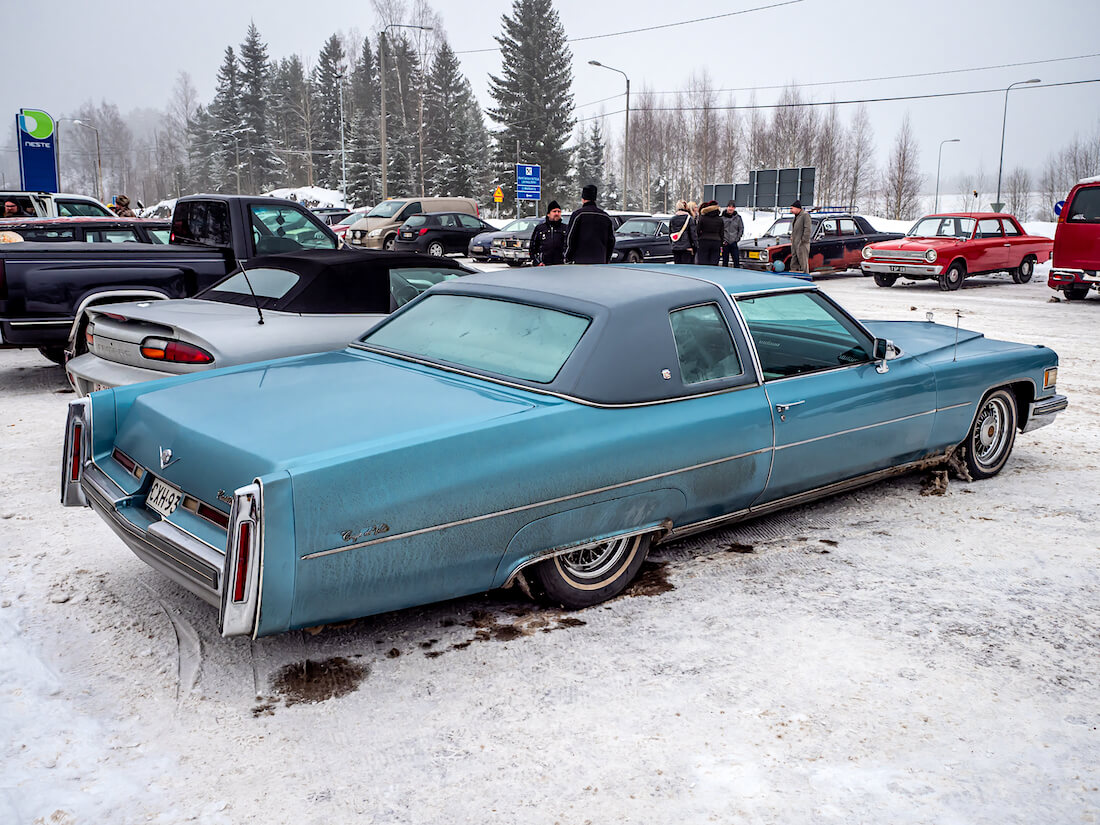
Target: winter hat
552,206
797,204
588,193
122,201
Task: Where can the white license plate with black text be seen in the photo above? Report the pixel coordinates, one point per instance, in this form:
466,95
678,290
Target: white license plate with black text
896,268
163,498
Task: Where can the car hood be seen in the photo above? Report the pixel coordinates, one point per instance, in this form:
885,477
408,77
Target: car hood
918,244
233,425
763,242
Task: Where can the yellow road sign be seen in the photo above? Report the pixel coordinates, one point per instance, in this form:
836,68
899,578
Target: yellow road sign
498,195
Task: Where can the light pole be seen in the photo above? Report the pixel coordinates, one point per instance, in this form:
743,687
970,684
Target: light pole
382,86
236,153
939,157
98,155
998,206
343,153
626,128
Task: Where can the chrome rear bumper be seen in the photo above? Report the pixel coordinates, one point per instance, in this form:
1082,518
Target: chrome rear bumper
1043,411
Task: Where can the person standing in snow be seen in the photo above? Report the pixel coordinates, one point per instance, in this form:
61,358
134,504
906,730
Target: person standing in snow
548,239
801,230
731,235
122,207
681,230
591,237
709,228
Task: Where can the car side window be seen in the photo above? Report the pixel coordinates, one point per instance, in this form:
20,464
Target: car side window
279,229
828,228
80,209
1086,206
111,236
848,227
1009,227
704,345
407,282
989,228
413,208
801,332
470,222
664,229
32,235
447,220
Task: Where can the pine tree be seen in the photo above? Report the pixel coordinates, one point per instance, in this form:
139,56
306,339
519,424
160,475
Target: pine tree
225,124
590,158
534,101
454,135
402,133
257,159
326,97
364,153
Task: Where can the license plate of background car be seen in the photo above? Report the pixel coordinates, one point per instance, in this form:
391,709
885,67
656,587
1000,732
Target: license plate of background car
163,498
754,254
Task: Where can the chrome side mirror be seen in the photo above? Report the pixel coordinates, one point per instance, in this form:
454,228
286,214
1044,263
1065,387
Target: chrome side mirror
880,351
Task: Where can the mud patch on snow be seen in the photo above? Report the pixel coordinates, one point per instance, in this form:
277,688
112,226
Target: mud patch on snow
311,681
738,547
489,626
652,580
934,483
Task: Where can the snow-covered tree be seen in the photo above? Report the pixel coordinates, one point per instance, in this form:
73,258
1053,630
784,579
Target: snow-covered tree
326,105
225,122
258,162
456,142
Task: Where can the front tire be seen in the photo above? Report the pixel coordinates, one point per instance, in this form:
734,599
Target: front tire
953,278
435,248
992,435
589,575
883,279
1022,274
388,243
633,257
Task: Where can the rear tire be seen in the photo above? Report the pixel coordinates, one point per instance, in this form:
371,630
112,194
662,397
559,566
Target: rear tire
590,575
514,263
953,278
436,248
1076,293
882,279
633,257
55,354
1022,274
992,435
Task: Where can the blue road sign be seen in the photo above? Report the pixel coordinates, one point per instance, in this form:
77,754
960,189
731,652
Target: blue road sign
37,150
528,182
1058,207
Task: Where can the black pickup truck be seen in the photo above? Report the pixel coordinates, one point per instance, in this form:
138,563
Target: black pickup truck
45,287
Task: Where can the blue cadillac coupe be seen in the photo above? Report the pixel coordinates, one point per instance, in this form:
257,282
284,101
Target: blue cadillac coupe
542,429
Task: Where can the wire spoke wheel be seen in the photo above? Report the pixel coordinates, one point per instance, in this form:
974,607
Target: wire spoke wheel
992,435
590,574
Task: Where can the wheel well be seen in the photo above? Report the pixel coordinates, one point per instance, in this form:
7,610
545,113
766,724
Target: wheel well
1024,393
961,262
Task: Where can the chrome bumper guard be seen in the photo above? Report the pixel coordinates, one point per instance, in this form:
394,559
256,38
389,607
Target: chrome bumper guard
184,559
923,271
1042,412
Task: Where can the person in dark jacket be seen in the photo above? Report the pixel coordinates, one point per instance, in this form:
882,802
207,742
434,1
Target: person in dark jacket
801,230
591,237
548,239
122,207
681,230
709,228
731,236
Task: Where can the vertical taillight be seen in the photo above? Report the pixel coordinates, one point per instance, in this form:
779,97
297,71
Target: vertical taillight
244,546
74,467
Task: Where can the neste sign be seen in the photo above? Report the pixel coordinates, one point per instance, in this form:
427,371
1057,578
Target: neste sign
37,150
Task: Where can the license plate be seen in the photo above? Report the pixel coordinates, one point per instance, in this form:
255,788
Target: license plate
163,498
478,248
754,255
894,268
406,234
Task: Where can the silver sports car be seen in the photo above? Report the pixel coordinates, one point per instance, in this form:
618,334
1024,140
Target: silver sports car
289,304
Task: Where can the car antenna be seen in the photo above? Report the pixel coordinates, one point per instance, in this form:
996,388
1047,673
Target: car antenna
250,289
955,354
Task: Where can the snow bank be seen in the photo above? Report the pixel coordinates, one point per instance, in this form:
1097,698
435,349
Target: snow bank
314,197
161,210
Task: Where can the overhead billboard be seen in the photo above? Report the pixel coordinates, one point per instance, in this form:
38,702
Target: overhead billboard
37,150
767,189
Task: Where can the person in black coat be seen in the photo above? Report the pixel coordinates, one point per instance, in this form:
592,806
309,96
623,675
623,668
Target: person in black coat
710,229
682,234
548,239
591,238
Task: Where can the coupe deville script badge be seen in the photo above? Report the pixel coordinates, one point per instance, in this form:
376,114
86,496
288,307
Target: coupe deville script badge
166,458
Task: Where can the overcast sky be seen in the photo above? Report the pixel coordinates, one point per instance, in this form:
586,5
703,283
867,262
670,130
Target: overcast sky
63,53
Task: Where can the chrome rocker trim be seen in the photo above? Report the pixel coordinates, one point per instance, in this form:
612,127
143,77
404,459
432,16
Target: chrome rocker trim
1043,411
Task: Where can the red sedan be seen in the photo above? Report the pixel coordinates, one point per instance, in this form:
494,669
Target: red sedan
952,247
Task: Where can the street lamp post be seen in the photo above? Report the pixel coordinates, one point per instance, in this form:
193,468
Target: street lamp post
998,206
626,127
98,155
236,153
343,152
382,86
939,157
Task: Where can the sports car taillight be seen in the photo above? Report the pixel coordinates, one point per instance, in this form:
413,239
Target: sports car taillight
161,349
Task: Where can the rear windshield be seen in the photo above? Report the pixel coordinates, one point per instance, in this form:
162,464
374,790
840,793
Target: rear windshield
504,337
203,222
1086,206
419,220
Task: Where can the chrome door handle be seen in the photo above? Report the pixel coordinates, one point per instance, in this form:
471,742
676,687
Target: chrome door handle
782,408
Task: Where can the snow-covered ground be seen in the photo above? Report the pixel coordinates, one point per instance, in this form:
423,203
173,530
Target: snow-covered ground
882,656
315,197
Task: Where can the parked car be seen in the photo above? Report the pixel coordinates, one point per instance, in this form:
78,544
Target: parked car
439,233
835,245
513,243
951,247
331,215
87,230
1076,265
642,239
56,205
481,246
541,428
378,228
280,305
45,288
340,229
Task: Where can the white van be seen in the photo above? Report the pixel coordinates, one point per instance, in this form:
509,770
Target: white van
378,228
56,205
